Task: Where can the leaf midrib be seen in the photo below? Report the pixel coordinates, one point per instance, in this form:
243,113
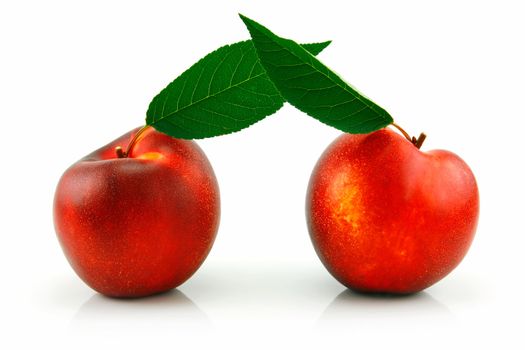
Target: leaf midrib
208,97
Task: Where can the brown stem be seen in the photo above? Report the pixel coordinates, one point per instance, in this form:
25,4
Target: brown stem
416,142
405,134
134,140
120,152
420,140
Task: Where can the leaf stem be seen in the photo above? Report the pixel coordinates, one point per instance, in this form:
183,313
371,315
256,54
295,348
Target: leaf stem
134,140
405,134
416,142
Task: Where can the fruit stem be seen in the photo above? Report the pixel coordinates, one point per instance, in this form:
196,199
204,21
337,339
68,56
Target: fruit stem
416,142
134,140
120,152
420,140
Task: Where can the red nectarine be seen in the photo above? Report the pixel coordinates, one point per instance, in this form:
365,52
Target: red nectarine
141,223
385,217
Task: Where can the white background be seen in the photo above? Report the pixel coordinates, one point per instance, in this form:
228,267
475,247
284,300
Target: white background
75,75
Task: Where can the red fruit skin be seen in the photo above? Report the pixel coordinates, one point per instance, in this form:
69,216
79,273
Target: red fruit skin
385,217
141,225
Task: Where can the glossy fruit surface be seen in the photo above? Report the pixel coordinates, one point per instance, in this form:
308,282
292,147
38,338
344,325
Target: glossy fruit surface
386,217
138,225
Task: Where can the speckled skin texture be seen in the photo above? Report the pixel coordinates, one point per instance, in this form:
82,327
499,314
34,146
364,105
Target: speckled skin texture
386,217
140,225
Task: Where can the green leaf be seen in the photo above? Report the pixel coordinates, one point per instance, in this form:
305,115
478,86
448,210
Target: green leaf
226,91
313,88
